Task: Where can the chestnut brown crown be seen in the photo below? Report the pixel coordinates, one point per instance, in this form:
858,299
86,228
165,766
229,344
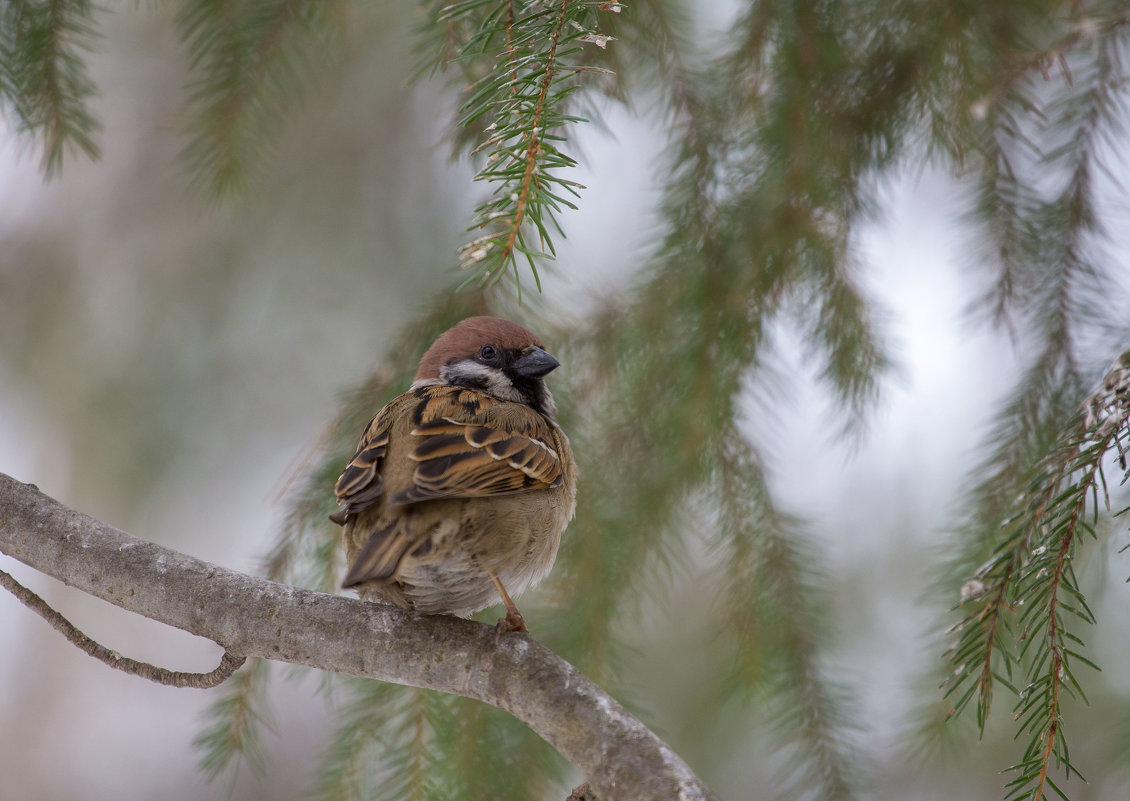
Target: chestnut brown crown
464,339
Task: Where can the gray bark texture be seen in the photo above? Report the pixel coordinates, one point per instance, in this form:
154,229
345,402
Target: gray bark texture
622,759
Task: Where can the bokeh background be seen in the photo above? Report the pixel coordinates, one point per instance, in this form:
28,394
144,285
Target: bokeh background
166,361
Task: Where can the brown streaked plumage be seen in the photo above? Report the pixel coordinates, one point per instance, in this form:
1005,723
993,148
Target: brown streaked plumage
461,487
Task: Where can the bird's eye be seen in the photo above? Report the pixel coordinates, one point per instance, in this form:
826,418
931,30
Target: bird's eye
487,353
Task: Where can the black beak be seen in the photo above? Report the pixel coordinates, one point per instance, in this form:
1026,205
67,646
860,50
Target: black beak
535,363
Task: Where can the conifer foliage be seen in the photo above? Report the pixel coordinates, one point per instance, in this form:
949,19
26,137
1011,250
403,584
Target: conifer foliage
782,125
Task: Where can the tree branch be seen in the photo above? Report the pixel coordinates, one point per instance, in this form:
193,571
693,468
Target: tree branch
229,664
253,617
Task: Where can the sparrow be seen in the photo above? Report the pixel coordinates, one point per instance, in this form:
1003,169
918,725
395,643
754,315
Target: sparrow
461,487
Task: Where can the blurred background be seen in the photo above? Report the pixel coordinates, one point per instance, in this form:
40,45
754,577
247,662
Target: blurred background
166,361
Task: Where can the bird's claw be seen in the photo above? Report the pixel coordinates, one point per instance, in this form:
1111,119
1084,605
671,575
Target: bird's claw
512,622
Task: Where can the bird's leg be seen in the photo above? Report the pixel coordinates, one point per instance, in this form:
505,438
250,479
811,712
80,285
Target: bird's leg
513,620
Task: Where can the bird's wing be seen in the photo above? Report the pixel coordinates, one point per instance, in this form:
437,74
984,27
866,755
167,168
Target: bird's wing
467,445
473,445
381,555
360,484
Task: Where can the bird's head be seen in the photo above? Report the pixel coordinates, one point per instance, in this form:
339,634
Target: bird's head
494,356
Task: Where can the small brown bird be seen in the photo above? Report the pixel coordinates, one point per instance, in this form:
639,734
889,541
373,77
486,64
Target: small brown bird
461,487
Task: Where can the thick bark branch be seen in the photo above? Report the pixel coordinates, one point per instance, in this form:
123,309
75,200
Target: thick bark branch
620,756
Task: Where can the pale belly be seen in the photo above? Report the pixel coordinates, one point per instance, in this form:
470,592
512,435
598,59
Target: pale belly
450,571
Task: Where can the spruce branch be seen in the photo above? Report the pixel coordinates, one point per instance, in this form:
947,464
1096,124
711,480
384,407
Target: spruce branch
370,754
235,720
1004,207
1083,29
259,618
1033,126
1040,704
528,53
1027,429
772,588
43,78
1023,600
252,60
407,746
1044,248
843,329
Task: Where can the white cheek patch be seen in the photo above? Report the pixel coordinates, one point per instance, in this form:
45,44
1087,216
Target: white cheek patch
492,380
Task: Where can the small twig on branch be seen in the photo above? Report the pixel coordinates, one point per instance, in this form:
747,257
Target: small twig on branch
229,664
620,756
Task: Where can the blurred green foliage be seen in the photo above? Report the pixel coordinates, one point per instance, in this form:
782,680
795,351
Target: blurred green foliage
782,126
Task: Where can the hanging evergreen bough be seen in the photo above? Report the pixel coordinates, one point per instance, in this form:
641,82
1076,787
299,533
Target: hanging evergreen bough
1022,606
531,52
43,78
251,62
